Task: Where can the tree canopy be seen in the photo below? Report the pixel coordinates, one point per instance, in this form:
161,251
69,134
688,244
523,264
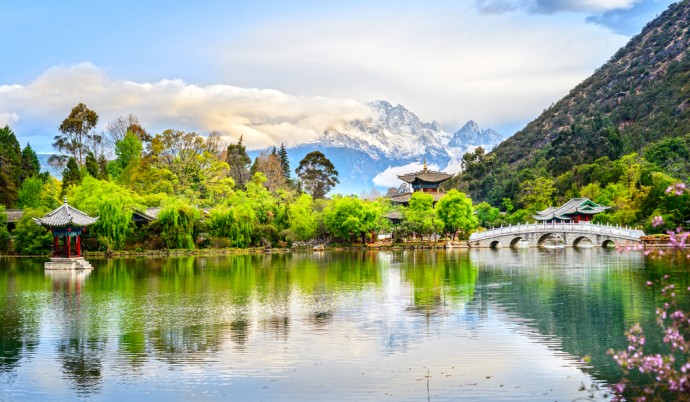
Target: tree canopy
317,173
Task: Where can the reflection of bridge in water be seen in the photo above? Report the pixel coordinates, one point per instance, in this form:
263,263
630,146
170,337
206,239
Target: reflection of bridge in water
572,234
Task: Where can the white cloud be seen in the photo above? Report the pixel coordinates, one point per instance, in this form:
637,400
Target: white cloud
389,177
8,119
263,116
554,6
449,65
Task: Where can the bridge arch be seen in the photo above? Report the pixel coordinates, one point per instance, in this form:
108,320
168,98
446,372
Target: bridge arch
517,242
544,238
608,243
495,244
583,241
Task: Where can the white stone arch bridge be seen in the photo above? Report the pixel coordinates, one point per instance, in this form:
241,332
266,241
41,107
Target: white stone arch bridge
572,234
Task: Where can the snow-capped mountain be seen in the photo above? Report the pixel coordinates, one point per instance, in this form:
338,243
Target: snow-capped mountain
471,135
394,136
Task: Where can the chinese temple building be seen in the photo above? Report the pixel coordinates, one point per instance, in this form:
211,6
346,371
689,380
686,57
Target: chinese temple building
574,211
426,181
67,225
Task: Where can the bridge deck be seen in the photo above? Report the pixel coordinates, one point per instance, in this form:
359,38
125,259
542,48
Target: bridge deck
589,228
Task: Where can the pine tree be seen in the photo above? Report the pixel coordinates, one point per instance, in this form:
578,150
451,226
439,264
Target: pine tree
92,165
10,167
30,164
239,162
71,176
284,161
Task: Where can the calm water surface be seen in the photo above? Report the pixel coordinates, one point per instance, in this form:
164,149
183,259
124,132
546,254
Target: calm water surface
403,325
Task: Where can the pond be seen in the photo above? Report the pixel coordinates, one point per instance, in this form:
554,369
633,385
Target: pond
352,325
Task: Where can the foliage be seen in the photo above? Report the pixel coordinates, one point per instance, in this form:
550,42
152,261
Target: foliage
347,217
30,193
302,218
128,153
317,174
421,215
179,224
487,215
238,162
113,205
536,194
284,161
4,234
235,223
10,167
271,167
91,165
71,176
29,237
31,166
76,132
456,212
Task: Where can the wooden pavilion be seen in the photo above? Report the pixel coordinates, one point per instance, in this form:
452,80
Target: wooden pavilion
66,223
427,181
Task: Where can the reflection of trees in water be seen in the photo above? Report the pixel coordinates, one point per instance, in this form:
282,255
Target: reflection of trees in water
186,344
20,309
439,280
584,299
82,363
279,327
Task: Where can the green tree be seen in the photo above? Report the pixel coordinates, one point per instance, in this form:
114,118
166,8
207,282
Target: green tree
76,132
179,223
235,222
10,167
317,174
535,195
91,165
284,161
486,214
128,150
31,166
113,204
302,217
347,217
238,161
71,176
30,193
456,212
29,237
420,215
4,234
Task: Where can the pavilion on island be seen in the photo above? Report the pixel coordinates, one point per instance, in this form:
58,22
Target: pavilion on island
574,211
427,181
66,223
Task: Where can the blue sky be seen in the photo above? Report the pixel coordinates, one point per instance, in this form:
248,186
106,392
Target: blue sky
283,71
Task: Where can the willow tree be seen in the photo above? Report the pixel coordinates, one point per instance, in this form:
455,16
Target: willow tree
302,217
179,223
113,205
235,223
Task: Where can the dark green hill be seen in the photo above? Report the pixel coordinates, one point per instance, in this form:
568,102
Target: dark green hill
639,101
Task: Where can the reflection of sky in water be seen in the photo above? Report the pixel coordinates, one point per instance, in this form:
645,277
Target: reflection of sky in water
314,334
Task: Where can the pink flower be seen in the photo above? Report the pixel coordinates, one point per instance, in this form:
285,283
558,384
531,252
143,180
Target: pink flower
657,221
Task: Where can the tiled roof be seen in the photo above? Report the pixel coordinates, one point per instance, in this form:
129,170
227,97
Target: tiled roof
65,215
405,198
14,215
575,205
425,175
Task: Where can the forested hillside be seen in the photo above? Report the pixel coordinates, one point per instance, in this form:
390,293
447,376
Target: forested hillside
627,121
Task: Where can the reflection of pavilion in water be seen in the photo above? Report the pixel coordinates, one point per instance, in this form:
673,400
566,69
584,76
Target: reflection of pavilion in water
70,280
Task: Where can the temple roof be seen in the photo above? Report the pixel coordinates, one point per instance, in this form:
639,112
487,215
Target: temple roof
574,206
425,175
65,215
405,198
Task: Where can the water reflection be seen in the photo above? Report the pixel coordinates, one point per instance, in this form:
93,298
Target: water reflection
325,316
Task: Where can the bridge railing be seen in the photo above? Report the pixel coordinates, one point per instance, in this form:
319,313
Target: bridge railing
581,227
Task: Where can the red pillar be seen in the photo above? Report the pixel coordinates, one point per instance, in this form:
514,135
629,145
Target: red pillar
78,245
68,246
56,246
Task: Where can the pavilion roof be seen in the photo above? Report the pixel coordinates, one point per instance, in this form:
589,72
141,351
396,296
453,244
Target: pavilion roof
574,206
425,175
65,215
405,198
